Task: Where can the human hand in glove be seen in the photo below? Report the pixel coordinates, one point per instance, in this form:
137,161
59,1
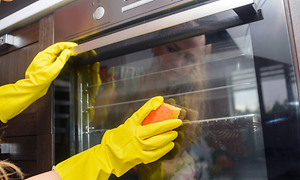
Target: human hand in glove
156,170
123,147
189,135
44,68
164,168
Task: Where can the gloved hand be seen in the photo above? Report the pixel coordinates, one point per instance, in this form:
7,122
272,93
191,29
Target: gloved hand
190,115
123,147
164,168
44,68
156,170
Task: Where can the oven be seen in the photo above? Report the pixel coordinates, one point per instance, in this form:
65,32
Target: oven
227,63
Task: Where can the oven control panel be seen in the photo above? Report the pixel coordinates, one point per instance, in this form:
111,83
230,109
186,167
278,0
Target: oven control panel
84,18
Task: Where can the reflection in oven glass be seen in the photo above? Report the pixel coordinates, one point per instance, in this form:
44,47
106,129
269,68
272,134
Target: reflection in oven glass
208,77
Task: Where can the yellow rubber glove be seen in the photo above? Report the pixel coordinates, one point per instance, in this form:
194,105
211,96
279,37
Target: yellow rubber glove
123,147
44,68
156,170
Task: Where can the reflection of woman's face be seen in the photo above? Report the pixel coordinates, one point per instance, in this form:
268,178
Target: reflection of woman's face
179,58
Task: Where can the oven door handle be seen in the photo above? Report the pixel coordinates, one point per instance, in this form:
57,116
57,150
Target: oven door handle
168,21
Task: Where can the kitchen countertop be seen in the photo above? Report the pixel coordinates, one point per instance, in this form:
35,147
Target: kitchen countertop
18,14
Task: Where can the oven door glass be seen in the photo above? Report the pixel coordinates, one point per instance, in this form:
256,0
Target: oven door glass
211,77
239,97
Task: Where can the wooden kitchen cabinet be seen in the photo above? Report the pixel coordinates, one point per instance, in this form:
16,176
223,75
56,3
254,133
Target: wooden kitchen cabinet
29,136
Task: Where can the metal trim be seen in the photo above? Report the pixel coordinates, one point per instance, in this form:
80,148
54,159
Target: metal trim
6,40
162,23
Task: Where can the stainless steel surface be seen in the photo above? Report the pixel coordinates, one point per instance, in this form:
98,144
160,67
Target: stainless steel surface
82,23
6,40
99,13
168,21
135,5
80,116
5,148
231,118
251,118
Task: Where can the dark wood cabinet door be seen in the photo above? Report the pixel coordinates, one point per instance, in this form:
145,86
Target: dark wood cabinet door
27,139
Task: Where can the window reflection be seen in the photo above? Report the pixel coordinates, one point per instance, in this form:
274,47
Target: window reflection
211,79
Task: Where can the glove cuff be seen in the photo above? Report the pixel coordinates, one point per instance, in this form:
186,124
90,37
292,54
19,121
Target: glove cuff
14,98
90,164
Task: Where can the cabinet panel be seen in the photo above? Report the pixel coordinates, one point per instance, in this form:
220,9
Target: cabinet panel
44,161
20,148
13,65
21,125
23,37
28,167
30,153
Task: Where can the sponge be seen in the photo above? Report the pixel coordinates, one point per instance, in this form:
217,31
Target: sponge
163,112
